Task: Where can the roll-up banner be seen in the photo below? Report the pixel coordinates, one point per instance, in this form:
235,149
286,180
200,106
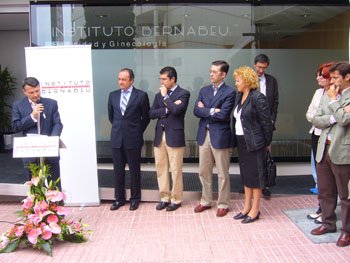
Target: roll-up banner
65,74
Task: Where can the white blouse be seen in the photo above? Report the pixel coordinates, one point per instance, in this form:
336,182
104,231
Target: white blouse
238,125
311,112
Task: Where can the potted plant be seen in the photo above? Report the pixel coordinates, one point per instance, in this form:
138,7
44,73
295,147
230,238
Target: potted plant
7,86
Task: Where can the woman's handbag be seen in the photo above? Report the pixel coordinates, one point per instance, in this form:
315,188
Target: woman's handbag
271,171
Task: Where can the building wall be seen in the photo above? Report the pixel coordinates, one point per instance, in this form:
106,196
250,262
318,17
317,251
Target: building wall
12,44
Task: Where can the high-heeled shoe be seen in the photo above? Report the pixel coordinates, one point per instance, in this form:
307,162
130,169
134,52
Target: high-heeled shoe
240,215
248,219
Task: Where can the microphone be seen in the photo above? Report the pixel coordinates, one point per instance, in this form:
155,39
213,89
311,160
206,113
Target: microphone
39,102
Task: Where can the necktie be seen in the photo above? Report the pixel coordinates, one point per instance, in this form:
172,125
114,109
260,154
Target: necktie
124,101
215,90
169,92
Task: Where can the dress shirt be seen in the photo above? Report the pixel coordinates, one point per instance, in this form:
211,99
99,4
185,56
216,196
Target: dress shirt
215,90
262,84
32,104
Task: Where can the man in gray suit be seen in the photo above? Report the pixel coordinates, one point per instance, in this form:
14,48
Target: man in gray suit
333,153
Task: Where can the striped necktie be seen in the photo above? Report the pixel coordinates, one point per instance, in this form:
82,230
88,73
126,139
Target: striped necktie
215,90
124,101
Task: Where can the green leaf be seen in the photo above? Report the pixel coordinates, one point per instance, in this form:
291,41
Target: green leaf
47,248
11,246
43,190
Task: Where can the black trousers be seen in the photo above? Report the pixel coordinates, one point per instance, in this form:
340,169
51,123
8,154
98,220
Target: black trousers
122,156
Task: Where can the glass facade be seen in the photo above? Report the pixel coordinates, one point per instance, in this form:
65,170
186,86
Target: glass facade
147,37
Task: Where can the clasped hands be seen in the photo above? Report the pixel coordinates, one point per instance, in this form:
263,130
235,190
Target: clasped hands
201,105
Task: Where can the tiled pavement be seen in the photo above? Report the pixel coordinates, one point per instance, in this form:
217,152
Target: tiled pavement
147,235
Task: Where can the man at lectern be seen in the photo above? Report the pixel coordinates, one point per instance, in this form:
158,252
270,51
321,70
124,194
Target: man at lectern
28,111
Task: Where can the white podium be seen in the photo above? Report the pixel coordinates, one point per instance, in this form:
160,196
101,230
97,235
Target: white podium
36,146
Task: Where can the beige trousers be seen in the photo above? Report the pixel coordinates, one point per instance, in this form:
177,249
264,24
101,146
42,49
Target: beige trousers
207,156
169,159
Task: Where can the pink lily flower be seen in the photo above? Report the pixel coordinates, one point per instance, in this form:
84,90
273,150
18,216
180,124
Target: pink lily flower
55,228
28,202
41,206
38,217
62,211
46,233
77,227
52,219
33,235
19,231
55,196
34,181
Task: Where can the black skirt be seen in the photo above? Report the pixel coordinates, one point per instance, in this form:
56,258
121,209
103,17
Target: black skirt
252,165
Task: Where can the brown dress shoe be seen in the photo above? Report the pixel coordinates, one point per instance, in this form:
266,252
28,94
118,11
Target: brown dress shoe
344,240
200,208
221,212
321,230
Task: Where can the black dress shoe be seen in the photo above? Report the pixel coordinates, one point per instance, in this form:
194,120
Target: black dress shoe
161,205
248,219
240,216
173,207
266,193
134,205
116,205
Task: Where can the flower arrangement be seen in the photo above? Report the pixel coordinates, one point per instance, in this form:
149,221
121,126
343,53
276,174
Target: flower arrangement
43,217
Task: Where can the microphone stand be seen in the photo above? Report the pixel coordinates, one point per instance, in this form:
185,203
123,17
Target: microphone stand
39,132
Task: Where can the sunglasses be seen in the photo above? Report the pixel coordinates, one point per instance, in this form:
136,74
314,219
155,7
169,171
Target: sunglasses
320,74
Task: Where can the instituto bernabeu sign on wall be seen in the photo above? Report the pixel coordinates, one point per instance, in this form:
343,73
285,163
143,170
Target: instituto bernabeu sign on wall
144,36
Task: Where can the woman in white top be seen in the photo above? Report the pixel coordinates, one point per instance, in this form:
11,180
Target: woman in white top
323,80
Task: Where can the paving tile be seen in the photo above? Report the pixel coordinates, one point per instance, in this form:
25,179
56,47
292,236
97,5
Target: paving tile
148,235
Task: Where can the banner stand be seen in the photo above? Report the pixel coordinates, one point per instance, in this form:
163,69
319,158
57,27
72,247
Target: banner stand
65,75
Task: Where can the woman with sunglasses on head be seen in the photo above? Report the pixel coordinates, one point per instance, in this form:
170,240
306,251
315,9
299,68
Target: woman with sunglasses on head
323,80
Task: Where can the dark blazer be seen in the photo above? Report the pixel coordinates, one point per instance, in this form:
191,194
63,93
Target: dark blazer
22,121
219,123
50,125
272,96
128,129
256,121
173,121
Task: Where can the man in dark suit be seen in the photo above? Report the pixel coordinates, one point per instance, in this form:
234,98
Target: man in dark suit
268,87
31,110
128,113
169,108
213,107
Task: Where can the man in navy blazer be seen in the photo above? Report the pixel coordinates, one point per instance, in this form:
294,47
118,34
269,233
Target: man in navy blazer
25,115
128,113
268,87
169,108
213,107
